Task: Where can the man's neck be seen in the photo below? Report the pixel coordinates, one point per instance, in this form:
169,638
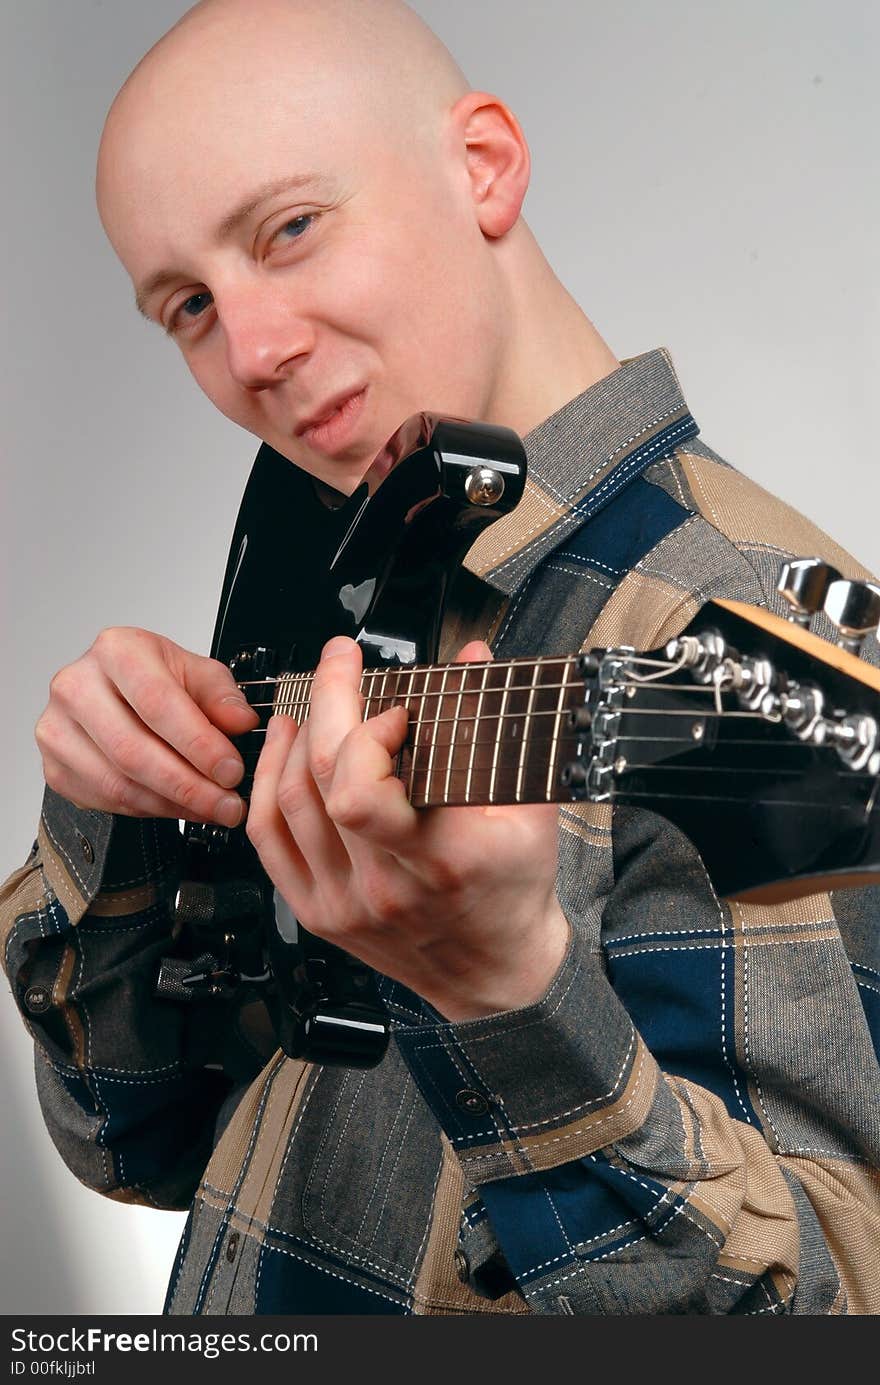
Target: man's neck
554,351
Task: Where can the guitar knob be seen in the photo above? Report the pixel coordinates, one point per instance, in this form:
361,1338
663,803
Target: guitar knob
854,607
804,583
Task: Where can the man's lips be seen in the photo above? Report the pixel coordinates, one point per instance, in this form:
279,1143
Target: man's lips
327,412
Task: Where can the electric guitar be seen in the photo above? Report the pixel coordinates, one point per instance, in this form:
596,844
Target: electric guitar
756,738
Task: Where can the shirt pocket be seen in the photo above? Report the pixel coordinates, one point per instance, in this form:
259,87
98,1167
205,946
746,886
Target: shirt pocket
377,1155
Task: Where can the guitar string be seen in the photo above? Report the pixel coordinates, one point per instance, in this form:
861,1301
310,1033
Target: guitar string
790,743
631,679
394,701
573,683
514,751
623,793
567,661
864,811
399,698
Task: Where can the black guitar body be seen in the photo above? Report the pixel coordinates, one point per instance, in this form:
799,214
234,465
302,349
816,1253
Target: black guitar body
376,567
744,732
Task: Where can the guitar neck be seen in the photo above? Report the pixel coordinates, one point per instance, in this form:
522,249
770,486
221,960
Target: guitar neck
479,733
765,754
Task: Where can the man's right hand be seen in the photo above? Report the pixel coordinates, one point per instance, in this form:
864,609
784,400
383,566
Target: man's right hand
136,726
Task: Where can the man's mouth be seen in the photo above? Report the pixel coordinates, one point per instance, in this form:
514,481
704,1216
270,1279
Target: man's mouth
330,426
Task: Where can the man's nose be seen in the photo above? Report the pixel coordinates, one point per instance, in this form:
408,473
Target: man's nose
265,336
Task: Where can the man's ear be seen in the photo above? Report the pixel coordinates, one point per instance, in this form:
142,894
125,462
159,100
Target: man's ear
497,159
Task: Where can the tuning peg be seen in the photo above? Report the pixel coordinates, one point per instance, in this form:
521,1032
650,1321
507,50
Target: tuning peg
804,583
854,607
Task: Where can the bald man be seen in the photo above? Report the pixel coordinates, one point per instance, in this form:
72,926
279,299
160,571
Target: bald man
609,1092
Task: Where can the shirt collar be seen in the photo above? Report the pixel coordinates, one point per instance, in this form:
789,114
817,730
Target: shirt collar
580,458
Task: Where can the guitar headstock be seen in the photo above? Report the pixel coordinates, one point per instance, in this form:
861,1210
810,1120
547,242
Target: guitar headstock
759,739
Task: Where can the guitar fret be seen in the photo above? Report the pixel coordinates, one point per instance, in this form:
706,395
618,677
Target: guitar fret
499,731
406,754
383,687
290,693
282,696
494,723
527,726
299,701
433,748
473,746
564,685
411,673
453,734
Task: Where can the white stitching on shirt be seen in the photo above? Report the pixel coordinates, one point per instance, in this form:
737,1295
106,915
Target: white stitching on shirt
269,1083
657,933
573,1111
747,1055
561,1139
390,1178
428,1224
555,565
69,861
505,625
328,1171
724,949
713,947
592,562
548,486
314,1242
281,1250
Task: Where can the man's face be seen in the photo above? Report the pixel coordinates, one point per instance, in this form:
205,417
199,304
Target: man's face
323,277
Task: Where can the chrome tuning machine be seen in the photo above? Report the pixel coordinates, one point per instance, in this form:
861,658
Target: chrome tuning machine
804,583
854,607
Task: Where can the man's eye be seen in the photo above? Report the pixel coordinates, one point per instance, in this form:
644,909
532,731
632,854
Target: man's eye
189,311
295,228
196,304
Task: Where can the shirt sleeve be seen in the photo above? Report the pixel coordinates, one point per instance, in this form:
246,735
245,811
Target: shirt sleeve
129,1084
687,1121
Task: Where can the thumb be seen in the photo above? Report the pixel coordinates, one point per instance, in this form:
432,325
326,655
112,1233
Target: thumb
211,685
474,652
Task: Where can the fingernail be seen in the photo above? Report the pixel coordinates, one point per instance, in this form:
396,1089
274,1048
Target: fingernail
230,809
340,644
228,772
273,728
237,700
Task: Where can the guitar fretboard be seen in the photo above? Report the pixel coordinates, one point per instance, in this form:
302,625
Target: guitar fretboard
479,733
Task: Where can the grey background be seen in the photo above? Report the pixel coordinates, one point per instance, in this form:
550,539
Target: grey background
705,178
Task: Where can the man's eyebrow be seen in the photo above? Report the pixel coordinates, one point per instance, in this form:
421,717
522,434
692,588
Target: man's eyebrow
150,286
230,224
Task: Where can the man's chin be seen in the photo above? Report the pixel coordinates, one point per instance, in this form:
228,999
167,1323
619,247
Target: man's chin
343,474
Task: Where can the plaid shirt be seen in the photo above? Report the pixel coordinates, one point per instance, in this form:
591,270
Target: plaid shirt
687,1122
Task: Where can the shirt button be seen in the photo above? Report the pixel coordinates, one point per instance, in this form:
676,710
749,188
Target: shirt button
87,849
37,999
471,1102
232,1247
462,1266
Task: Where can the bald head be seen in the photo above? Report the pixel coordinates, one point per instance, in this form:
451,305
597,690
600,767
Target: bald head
369,68
324,216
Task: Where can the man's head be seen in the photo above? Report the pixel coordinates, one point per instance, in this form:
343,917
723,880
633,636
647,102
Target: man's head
308,196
